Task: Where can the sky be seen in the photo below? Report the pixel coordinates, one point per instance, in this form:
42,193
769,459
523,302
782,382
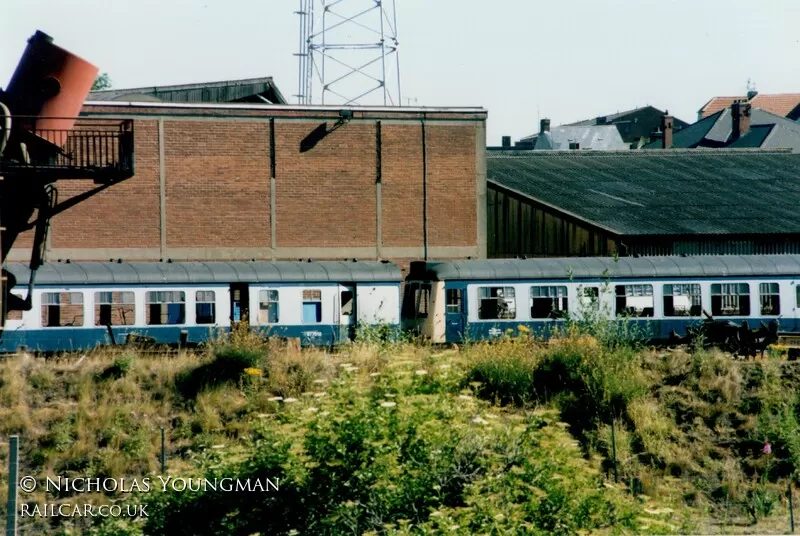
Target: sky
521,60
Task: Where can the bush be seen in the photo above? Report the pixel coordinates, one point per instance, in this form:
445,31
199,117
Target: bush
122,365
227,366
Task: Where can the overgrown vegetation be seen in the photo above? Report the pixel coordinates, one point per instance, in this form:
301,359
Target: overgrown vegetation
389,436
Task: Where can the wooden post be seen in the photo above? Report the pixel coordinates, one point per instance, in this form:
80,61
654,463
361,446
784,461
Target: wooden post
163,452
614,451
13,480
791,507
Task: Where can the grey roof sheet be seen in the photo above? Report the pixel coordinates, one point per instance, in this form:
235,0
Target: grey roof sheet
111,273
211,92
715,131
599,138
699,191
594,267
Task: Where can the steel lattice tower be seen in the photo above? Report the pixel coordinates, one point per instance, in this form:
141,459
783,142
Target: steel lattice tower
348,53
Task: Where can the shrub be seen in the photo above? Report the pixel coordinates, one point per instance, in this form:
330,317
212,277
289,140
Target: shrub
227,366
120,368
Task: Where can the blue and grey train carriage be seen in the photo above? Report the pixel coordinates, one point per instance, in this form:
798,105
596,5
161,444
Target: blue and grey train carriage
450,300
80,305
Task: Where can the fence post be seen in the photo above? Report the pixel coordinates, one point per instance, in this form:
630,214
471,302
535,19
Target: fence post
163,452
13,480
791,507
614,451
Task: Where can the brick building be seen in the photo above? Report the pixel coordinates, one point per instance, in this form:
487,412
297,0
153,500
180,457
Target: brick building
271,182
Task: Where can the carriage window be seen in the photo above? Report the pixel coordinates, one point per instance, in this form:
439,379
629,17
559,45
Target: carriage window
730,299
166,307
205,307
62,309
634,300
454,300
267,307
312,306
16,314
347,303
682,300
590,297
798,295
548,302
770,299
497,303
114,309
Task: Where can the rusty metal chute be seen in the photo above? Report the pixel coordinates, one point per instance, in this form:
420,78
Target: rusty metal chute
43,140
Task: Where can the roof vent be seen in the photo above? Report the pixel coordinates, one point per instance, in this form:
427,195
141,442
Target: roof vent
119,261
169,260
68,261
309,260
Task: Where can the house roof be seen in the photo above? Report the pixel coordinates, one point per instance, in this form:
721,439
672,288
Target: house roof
174,273
247,90
767,131
675,192
782,104
621,116
599,138
622,267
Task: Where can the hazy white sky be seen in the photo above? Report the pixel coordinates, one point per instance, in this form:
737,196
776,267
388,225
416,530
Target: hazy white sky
519,59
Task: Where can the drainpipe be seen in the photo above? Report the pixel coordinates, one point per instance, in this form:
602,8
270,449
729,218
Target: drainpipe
424,191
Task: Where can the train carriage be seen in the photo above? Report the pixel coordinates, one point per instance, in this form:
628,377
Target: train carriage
80,305
448,301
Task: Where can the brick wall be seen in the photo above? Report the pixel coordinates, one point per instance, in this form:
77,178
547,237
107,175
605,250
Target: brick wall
203,187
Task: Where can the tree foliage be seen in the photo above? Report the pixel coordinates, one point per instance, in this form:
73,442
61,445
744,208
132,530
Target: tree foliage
103,81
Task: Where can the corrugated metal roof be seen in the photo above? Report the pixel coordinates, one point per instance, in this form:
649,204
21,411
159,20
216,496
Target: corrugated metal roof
110,273
697,191
246,90
600,267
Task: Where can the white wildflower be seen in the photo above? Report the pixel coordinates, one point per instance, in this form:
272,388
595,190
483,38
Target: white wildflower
388,404
421,372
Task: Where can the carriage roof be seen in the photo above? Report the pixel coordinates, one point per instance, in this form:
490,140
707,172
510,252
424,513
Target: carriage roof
601,267
132,273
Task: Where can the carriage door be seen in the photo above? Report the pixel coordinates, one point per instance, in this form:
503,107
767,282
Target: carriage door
347,312
240,302
455,312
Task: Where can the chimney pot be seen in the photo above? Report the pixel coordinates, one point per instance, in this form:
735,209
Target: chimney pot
544,125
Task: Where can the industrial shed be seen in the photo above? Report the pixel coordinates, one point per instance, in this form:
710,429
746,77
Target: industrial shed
675,202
